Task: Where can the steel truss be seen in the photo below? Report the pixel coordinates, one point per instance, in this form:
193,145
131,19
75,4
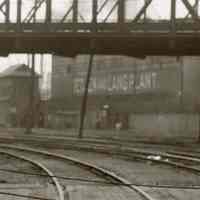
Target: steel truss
79,23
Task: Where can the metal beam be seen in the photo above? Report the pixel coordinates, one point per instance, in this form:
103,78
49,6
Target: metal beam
191,10
142,11
7,20
145,14
33,11
75,14
94,15
34,15
19,14
48,10
67,13
173,16
111,11
121,14
195,6
103,6
1,7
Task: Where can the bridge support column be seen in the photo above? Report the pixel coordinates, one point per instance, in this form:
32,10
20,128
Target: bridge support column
85,95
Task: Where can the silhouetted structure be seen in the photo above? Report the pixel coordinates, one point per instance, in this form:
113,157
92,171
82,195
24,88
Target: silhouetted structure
15,84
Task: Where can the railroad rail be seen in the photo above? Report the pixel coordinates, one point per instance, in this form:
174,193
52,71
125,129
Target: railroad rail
166,158
92,168
50,174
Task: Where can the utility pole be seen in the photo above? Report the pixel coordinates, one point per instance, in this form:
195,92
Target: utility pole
181,83
85,96
31,116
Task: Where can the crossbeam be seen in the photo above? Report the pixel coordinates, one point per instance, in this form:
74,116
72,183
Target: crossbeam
191,9
142,10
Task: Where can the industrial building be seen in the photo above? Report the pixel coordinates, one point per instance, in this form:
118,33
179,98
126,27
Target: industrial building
139,93
15,91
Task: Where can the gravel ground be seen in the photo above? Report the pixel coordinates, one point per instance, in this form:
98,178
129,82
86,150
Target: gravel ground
173,194
22,184
79,190
138,172
145,173
44,192
10,163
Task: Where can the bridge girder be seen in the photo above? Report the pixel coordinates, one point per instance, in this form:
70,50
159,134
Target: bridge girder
73,28
98,7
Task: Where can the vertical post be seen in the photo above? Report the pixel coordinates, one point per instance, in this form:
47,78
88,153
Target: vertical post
197,7
34,14
19,11
94,15
173,16
121,14
19,14
7,11
48,11
85,96
31,116
75,14
145,12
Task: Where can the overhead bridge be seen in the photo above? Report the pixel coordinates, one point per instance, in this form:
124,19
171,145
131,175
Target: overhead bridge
71,27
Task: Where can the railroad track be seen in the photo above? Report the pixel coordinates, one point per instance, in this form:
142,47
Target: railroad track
172,159
105,174
40,166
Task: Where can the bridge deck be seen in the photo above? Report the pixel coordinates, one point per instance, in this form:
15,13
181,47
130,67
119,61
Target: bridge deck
70,44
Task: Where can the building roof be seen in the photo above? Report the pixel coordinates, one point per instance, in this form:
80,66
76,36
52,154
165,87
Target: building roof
19,70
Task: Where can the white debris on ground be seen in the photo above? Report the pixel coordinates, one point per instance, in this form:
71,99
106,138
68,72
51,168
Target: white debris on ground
153,157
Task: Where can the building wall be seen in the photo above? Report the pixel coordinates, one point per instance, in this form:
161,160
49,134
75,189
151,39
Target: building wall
191,82
154,112
165,126
62,83
4,117
15,108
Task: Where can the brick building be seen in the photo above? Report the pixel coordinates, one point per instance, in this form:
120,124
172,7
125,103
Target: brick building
15,91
